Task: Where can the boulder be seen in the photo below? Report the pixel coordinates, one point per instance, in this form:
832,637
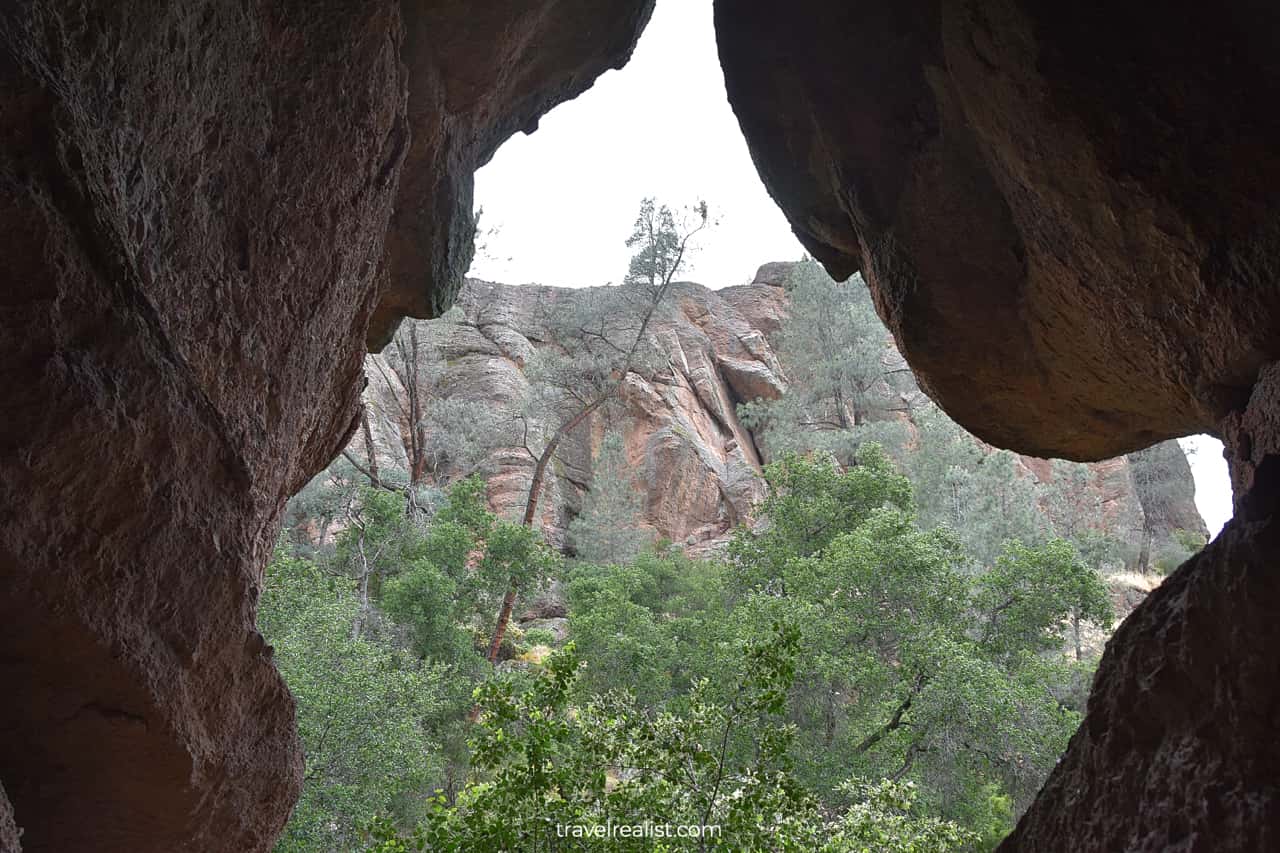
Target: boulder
1066,213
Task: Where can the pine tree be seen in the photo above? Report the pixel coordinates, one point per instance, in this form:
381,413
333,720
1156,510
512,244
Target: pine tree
608,531
847,382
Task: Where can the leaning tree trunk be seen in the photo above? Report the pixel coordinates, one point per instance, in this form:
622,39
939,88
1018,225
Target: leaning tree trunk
531,510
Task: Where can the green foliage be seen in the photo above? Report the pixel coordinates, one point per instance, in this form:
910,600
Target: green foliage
363,707
811,502
903,631
383,722
539,637
847,382
1181,546
1189,540
648,624
452,572
548,768
883,818
912,666
659,243
1026,596
608,531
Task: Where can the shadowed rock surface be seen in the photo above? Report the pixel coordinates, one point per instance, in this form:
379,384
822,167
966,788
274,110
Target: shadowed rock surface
478,73
1176,753
195,200
1068,216
1065,211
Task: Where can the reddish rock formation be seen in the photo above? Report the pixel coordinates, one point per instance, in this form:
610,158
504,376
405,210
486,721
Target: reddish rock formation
194,198
697,465
1066,212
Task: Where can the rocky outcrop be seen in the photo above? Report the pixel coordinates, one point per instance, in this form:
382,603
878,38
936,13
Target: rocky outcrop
1068,216
195,199
9,831
1175,753
1074,246
697,466
1177,750
1252,438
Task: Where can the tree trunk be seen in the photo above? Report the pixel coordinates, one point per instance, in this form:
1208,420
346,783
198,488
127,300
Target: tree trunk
1144,555
369,452
504,617
356,623
531,510
540,467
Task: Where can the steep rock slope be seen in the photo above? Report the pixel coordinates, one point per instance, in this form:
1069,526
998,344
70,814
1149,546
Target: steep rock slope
698,467
195,199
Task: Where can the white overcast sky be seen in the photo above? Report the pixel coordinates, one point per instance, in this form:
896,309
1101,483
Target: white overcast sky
563,199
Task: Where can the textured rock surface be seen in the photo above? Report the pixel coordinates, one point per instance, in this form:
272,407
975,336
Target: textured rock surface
696,463
10,834
1067,213
1178,748
1252,439
195,198
698,466
478,73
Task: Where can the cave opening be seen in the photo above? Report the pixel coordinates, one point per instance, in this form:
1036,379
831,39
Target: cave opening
213,210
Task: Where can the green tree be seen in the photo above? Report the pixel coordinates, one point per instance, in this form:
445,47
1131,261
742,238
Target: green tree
911,668
847,382
810,502
544,766
984,495
363,707
608,529
1023,599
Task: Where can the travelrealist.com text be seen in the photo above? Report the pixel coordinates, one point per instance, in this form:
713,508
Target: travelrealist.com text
648,829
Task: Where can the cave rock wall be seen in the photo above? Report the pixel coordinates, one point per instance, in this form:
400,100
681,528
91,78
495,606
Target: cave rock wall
207,208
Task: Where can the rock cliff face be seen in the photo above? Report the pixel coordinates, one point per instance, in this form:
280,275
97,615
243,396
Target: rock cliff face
698,467
195,199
